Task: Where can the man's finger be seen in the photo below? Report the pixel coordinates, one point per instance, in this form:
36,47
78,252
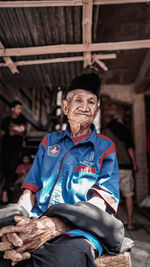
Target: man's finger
15,239
7,229
10,229
18,218
21,220
24,248
4,238
25,256
5,246
14,263
12,255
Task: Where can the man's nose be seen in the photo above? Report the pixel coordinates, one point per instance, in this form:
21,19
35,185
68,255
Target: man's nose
85,106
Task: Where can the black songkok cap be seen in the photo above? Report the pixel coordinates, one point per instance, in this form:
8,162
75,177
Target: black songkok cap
88,81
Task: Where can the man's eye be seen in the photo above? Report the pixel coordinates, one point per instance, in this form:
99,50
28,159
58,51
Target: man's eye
92,102
78,99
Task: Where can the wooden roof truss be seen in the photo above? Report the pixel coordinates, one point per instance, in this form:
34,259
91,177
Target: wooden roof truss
87,47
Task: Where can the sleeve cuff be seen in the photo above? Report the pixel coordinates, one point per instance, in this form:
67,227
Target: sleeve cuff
32,187
107,198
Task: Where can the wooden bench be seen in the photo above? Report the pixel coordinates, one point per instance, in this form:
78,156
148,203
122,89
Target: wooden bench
120,260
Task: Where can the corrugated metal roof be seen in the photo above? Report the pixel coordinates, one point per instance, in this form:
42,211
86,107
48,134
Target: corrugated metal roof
41,26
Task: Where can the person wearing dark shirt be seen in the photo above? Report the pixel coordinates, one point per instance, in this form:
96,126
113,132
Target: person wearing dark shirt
13,130
120,135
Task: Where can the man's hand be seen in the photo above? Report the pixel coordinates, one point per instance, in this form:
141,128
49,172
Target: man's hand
11,241
28,235
27,200
10,252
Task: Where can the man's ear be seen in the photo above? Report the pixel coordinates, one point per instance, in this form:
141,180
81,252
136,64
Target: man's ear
65,106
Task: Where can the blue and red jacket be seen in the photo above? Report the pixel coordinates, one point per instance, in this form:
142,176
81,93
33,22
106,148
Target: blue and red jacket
63,172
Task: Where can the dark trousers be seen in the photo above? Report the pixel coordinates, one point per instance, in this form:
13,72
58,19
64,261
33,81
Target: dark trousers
64,251
9,164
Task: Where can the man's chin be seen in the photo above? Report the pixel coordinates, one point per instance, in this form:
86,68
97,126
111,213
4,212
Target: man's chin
82,118
81,121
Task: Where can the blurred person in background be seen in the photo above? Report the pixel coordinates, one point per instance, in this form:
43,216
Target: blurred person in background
21,172
120,135
13,130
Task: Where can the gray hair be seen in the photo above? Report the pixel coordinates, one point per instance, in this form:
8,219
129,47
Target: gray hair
69,95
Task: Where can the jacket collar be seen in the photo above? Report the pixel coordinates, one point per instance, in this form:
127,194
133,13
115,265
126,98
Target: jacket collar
91,138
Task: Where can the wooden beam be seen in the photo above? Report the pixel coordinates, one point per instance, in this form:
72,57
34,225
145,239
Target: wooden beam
10,64
60,3
116,2
11,95
106,56
99,62
40,3
48,61
97,59
139,82
57,60
75,48
87,29
27,93
45,61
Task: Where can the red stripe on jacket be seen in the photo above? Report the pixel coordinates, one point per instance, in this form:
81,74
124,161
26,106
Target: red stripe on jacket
85,169
110,150
44,141
32,187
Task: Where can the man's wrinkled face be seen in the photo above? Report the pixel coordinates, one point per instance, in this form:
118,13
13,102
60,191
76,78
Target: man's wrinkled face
81,106
17,110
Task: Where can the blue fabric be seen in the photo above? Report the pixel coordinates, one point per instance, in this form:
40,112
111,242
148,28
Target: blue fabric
90,237
66,173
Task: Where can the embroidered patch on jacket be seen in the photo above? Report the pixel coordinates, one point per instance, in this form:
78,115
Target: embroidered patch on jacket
90,157
53,151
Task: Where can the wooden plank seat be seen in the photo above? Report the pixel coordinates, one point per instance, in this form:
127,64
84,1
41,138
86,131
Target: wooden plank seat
120,260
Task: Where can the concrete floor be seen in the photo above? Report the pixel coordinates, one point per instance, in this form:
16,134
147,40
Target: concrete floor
140,253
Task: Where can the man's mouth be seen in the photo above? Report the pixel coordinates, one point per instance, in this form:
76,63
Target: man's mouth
83,114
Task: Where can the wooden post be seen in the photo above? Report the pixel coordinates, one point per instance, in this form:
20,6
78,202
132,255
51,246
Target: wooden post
140,146
87,29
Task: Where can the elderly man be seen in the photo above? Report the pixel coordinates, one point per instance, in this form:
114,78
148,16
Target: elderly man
69,193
